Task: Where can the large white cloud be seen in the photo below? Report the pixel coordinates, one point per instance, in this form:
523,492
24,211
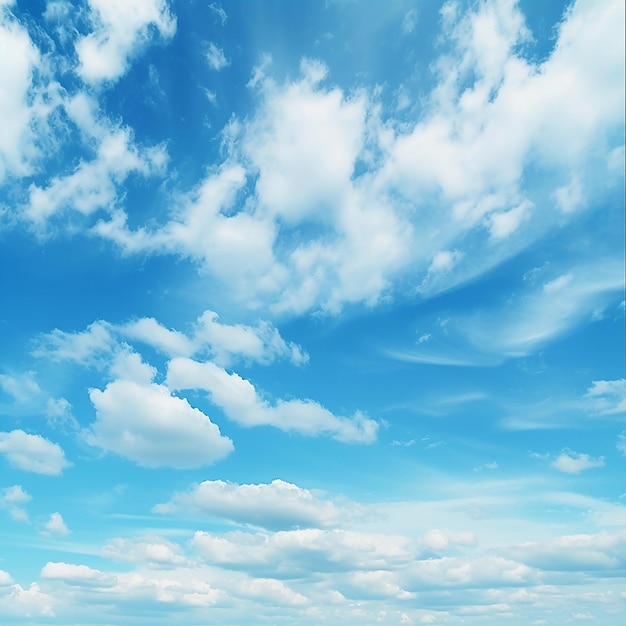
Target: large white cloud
498,157
120,28
240,401
32,453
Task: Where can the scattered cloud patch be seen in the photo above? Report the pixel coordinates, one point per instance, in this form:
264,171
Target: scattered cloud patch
216,59
32,453
276,505
120,29
573,463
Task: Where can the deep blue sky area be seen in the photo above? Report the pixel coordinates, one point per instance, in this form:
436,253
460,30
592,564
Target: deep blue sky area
312,313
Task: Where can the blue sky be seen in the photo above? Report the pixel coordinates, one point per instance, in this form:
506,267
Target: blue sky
312,313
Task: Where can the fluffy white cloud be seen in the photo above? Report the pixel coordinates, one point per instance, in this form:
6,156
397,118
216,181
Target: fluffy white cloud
12,499
240,401
602,551
607,397
275,505
18,61
574,463
143,422
120,28
32,453
93,184
154,551
56,525
223,342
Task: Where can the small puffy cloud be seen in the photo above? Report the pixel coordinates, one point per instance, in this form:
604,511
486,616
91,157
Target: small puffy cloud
89,347
607,397
143,422
216,58
32,453
262,343
154,551
149,331
75,574
502,225
120,28
240,401
274,505
573,463
56,526
621,443
12,499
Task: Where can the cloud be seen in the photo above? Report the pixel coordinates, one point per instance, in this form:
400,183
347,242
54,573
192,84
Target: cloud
120,29
604,551
274,505
573,463
297,553
12,499
155,551
93,184
607,397
87,347
32,453
56,526
20,102
225,343
143,422
238,398
216,59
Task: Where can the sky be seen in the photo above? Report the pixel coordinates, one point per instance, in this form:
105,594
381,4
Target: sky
312,313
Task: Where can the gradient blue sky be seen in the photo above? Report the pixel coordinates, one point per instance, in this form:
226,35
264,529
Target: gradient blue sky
312,313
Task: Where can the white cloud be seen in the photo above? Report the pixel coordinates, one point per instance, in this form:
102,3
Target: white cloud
238,398
88,347
12,499
143,422
216,58
121,27
262,343
32,453
223,342
274,505
155,551
573,463
607,397
93,184
56,526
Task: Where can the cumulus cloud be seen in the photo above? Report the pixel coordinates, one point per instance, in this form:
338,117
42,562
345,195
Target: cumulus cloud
12,499
238,398
574,463
607,397
154,551
32,453
56,525
145,423
274,505
120,28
